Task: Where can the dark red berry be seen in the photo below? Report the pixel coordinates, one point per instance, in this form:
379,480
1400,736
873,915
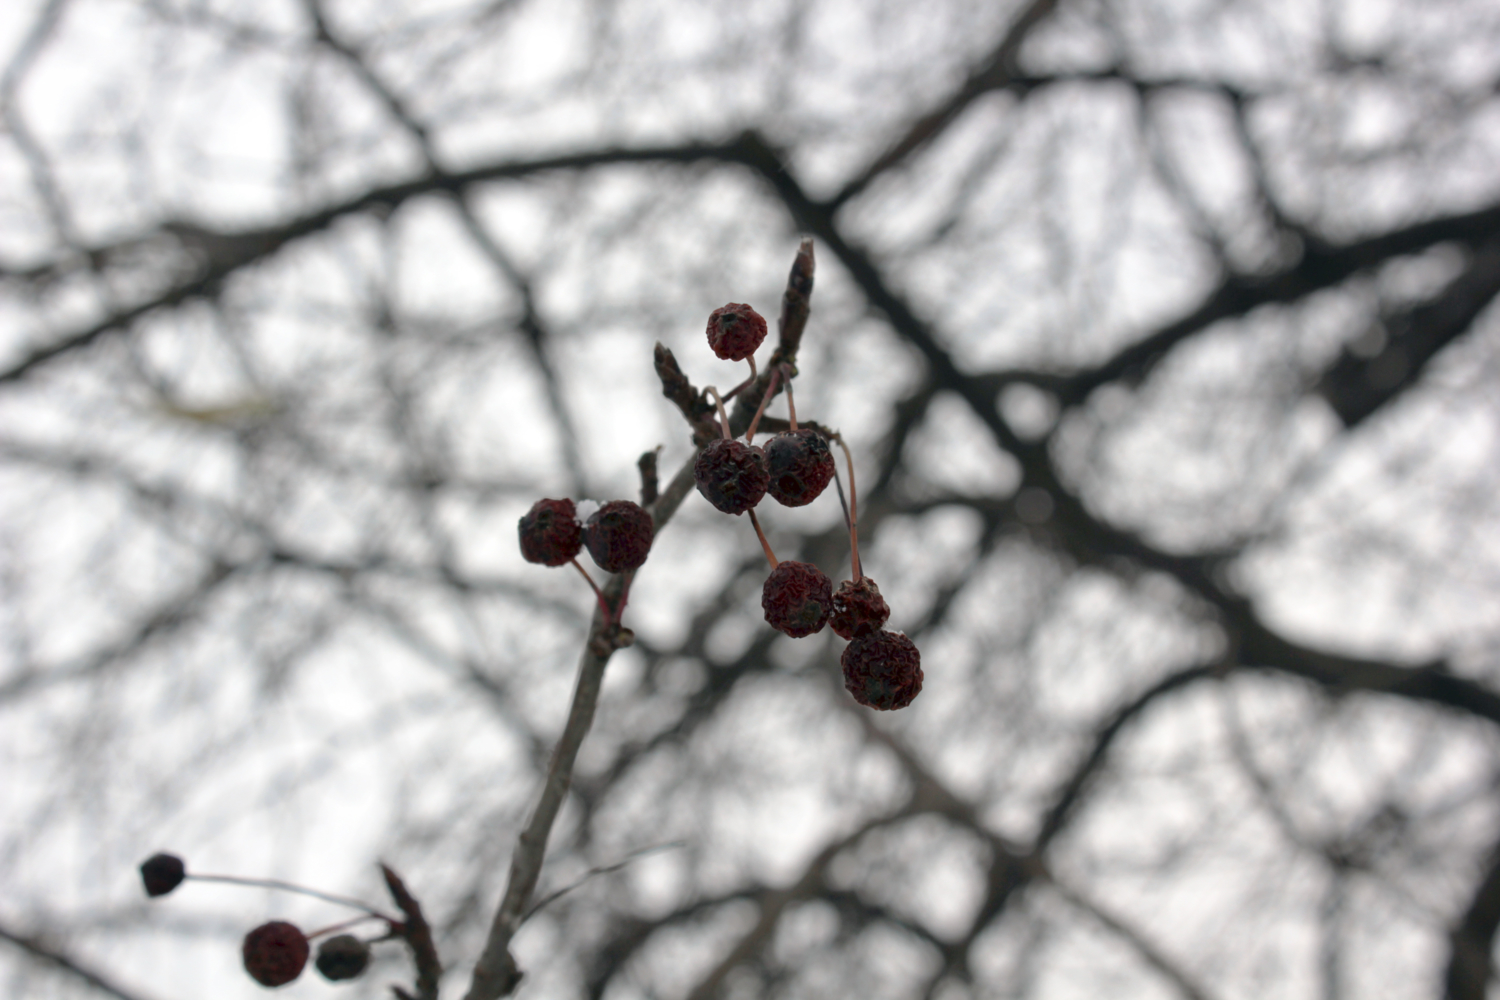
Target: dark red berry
731,475
162,873
735,331
550,532
275,953
796,598
883,670
618,536
858,609
801,466
342,957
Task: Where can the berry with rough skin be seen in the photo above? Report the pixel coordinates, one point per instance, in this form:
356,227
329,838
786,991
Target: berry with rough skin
731,475
858,609
342,957
275,953
735,331
161,873
618,536
883,670
801,466
796,598
550,532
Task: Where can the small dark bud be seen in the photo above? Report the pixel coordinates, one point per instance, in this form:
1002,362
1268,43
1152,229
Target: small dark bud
735,331
858,609
800,465
731,475
796,598
275,953
618,536
550,532
883,670
342,957
161,873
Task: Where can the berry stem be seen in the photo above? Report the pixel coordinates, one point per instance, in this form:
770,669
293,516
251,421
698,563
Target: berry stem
766,398
312,935
770,556
271,883
791,406
745,384
603,604
723,417
853,511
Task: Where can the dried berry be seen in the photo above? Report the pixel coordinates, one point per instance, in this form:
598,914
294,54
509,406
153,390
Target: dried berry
275,953
735,331
731,475
618,536
162,873
858,609
342,957
550,532
796,598
801,466
883,670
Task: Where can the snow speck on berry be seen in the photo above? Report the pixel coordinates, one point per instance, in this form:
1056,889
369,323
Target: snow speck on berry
858,609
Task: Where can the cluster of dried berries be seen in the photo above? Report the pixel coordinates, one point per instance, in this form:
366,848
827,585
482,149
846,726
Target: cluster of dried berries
276,952
882,669
617,535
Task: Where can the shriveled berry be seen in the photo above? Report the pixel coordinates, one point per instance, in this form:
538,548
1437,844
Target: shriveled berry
801,466
161,873
275,953
731,475
735,331
796,598
550,532
883,670
342,957
618,536
858,609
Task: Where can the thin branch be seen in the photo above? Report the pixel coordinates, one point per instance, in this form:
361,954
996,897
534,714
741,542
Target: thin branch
997,71
1358,386
51,956
418,936
773,904
592,873
1149,953
496,973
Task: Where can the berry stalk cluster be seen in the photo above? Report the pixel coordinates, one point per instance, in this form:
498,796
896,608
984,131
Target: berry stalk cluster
882,669
275,953
618,536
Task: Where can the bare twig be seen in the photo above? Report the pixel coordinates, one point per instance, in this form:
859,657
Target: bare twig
50,956
418,937
647,464
796,305
1149,952
496,972
696,409
553,897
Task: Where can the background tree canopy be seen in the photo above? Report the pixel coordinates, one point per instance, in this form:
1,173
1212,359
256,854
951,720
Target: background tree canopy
1162,330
